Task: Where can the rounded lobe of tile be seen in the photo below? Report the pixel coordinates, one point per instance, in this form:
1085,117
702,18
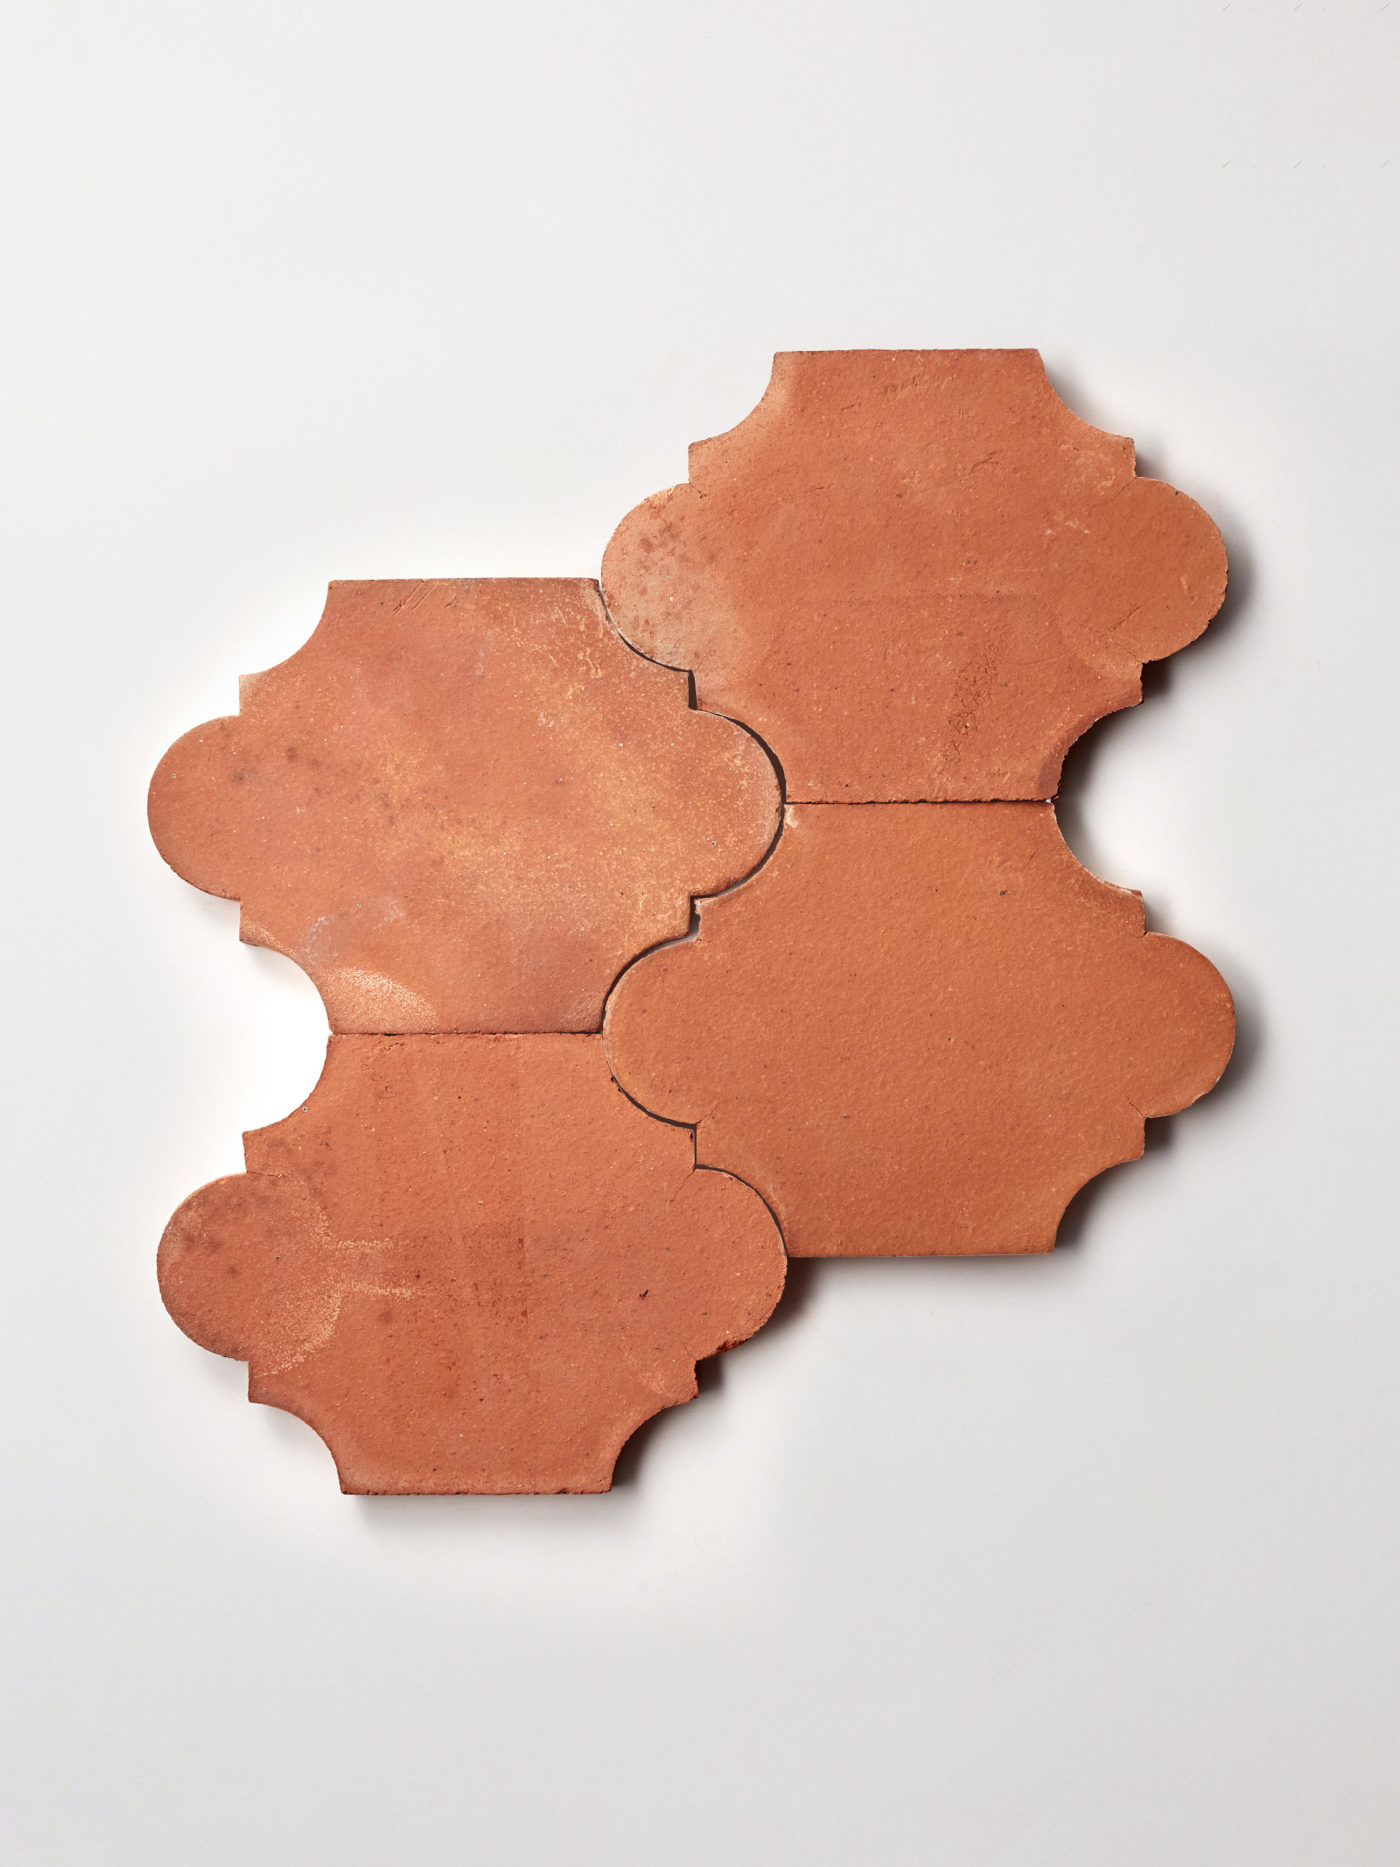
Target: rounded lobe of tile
1184,1031
919,1029
1159,585
192,804
471,1264
916,574
464,806
248,1268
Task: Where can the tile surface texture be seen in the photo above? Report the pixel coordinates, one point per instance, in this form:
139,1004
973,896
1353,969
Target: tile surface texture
471,1264
837,935
468,1261
922,1025
916,574
464,806
920,1029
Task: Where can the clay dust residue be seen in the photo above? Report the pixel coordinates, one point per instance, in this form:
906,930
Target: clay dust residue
359,1000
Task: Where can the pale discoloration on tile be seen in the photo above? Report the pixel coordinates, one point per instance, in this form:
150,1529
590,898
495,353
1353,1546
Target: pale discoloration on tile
469,1261
464,806
915,574
471,1264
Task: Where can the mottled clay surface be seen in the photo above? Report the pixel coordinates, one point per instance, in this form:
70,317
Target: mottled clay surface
464,806
471,1264
469,1261
920,1029
915,573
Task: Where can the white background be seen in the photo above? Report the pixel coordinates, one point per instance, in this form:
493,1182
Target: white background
1088,1561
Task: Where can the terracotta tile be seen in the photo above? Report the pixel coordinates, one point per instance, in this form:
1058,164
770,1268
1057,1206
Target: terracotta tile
915,573
919,1029
471,1264
469,1261
464,806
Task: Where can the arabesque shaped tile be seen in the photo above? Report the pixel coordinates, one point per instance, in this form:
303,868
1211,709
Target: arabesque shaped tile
915,574
464,806
919,1029
471,1264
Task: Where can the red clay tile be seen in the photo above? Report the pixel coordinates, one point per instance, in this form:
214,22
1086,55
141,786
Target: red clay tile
464,806
469,1261
919,1029
471,1264
915,573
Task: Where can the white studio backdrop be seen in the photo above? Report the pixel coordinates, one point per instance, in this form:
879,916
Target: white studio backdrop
1087,1561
